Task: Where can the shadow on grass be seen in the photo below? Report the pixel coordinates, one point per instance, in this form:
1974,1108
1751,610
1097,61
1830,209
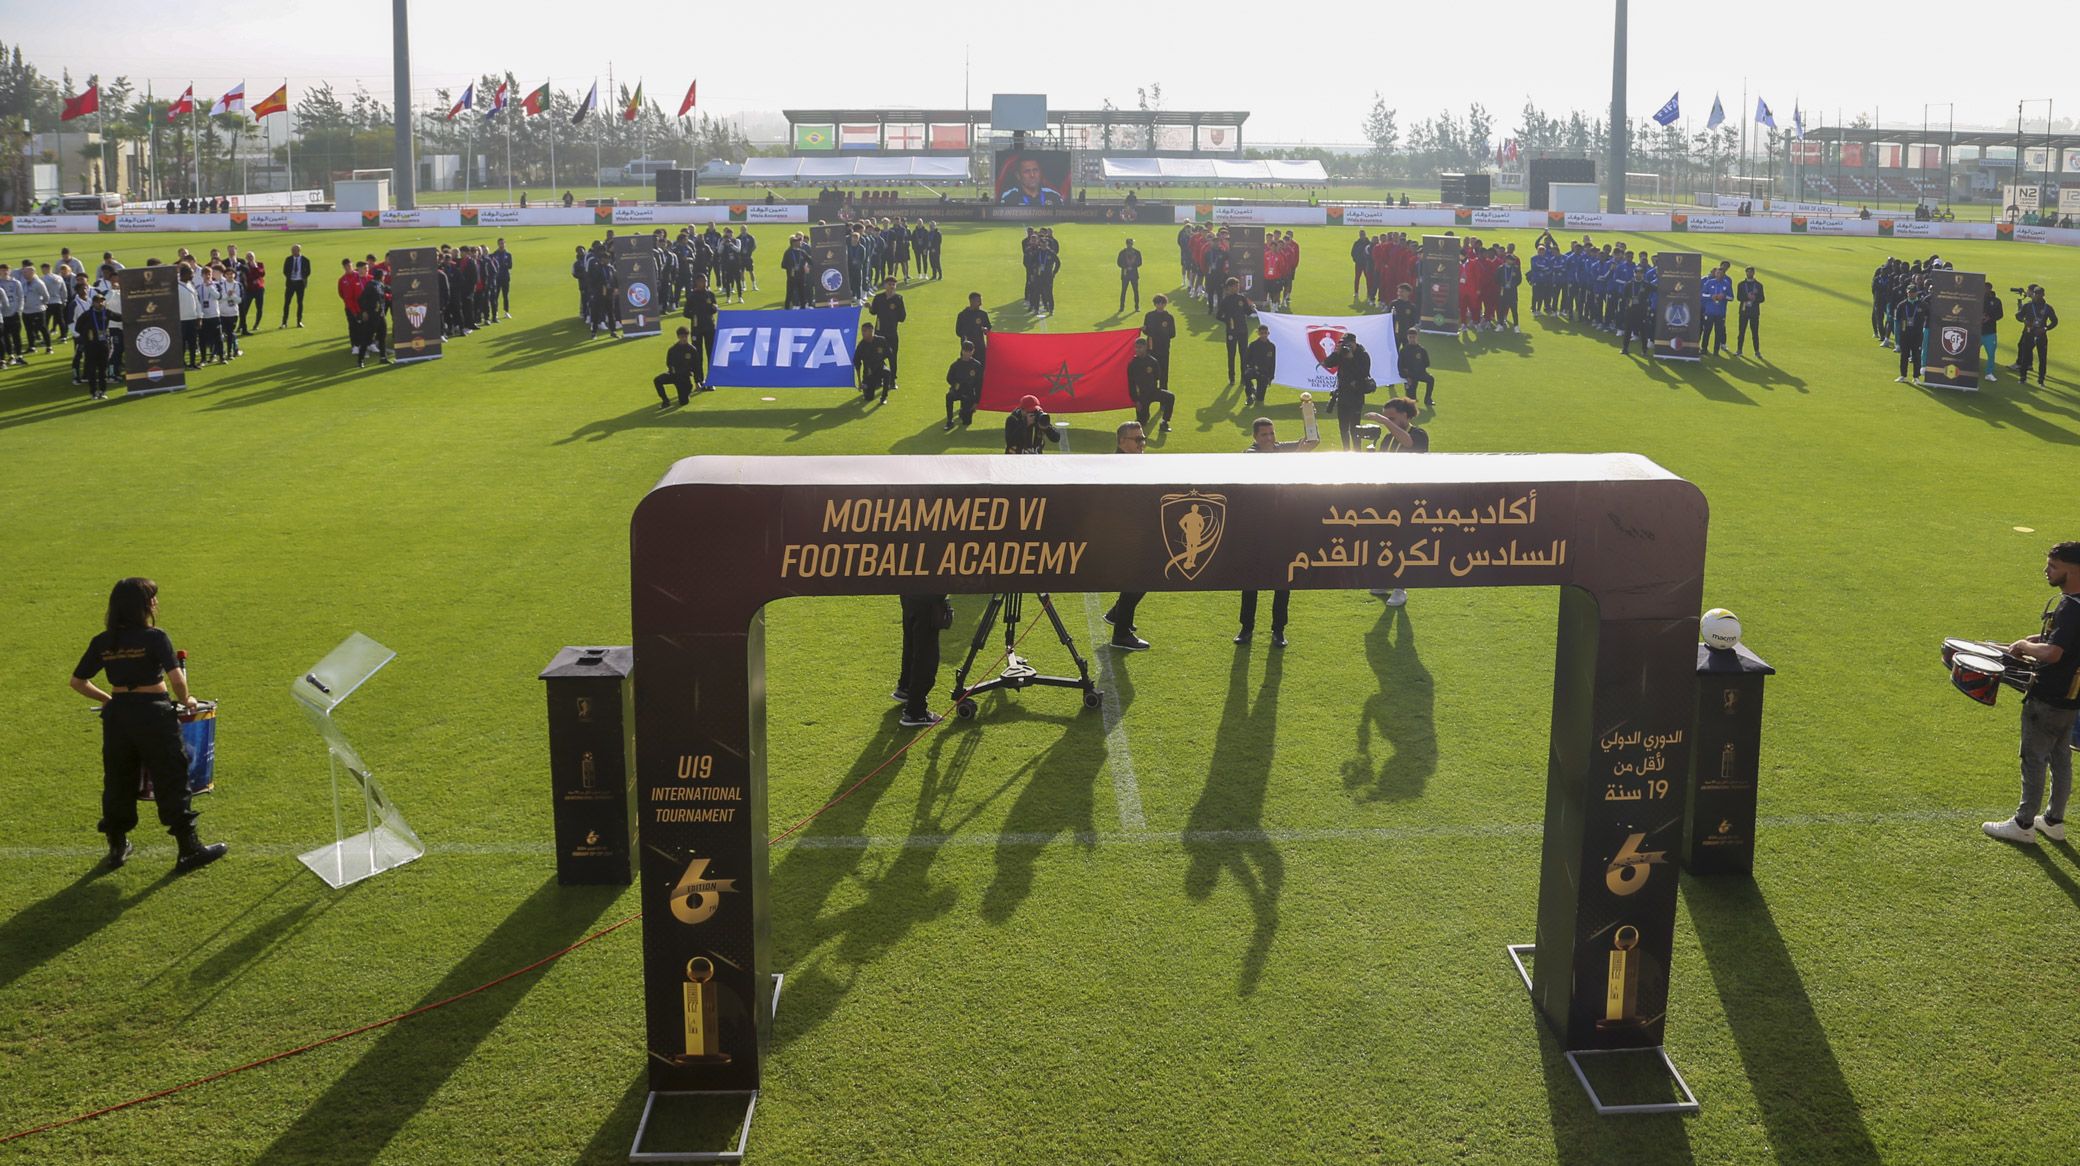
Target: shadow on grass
41,932
1404,711
365,1108
1807,1108
1057,798
705,413
1693,375
1225,830
1581,1138
1996,407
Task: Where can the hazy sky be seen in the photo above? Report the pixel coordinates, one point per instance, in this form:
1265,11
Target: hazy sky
1302,77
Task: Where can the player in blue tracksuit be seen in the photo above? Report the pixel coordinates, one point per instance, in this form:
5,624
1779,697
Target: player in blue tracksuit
1619,279
1717,292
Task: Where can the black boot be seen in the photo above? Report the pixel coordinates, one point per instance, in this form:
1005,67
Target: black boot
119,851
194,855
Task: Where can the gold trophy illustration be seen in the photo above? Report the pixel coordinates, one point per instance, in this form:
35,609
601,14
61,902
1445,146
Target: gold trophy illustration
703,1028
1308,429
1621,991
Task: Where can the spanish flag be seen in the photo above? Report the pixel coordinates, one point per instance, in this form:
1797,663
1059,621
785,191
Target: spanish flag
276,102
635,104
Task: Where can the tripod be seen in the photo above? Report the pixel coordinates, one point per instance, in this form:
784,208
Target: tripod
1018,673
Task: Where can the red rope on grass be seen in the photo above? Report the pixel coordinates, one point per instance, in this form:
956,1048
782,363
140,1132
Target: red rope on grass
318,1044
424,1008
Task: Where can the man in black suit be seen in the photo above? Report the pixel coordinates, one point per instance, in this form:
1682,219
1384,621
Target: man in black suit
296,275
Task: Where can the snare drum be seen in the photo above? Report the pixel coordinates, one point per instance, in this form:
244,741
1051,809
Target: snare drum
1953,646
199,735
1977,676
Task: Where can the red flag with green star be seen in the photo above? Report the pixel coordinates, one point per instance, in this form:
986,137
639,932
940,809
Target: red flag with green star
1070,372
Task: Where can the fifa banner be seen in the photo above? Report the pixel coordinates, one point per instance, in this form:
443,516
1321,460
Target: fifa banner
1955,312
151,331
1678,305
1246,261
1303,342
830,264
1437,285
641,306
792,349
415,304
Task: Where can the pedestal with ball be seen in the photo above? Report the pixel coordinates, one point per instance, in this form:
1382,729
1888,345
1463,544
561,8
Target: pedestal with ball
1719,807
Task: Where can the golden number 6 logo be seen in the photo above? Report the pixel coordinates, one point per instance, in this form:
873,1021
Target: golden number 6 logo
1628,871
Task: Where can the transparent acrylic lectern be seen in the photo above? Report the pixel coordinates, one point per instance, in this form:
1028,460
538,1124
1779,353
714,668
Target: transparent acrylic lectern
385,840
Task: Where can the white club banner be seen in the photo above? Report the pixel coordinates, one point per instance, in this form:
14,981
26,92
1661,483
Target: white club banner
1303,341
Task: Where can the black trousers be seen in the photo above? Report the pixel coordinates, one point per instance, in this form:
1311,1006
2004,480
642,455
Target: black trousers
1424,379
11,336
142,731
35,324
1164,398
895,351
1254,385
2033,343
1878,320
1711,334
920,666
1122,615
1348,418
255,302
684,383
1162,355
93,356
293,291
1279,602
875,382
378,330
191,340
965,401
1237,341
1129,281
1910,350
1750,322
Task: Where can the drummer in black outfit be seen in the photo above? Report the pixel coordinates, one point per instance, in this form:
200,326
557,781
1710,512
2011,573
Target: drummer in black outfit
139,727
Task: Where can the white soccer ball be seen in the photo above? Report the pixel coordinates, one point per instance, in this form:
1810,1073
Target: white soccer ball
1721,629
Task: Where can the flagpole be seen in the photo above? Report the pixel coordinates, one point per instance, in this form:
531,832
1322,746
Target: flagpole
289,138
599,192
101,128
1739,178
509,149
551,111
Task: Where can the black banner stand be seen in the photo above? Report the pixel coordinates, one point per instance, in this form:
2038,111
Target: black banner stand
1517,953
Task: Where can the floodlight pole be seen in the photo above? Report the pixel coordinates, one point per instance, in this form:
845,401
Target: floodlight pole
402,171
1615,180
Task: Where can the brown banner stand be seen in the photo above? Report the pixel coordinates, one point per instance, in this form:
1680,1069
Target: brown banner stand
719,537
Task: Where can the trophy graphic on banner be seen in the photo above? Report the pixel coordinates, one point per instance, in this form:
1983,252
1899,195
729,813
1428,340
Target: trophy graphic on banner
1308,429
1621,991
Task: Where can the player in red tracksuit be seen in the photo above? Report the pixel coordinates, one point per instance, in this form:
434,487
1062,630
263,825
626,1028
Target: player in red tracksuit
351,277
1490,265
1469,293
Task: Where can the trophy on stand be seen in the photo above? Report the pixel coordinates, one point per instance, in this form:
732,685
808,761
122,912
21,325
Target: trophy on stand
1308,429
385,840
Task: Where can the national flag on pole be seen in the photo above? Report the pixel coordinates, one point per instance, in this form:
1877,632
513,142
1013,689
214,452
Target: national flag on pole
498,102
276,102
1070,372
1511,146
469,100
591,99
1718,114
1798,121
184,104
1763,115
537,103
688,103
233,101
84,104
1672,112
635,104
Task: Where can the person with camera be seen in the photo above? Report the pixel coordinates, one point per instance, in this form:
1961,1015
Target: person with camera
1028,429
1353,368
963,385
1264,439
1143,385
139,727
1130,437
2049,708
2037,319
924,617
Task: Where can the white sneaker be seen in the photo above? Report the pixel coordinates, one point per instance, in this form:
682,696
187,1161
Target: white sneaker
1398,598
2008,831
2055,831
1990,378
1899,380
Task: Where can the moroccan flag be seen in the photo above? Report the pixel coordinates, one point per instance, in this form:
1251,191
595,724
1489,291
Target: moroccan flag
635,104
467,101
591,99
84,104
1071,372
276,102
186,104
688,103
536,103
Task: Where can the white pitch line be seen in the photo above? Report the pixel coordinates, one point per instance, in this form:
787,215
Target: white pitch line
1126,791
1089,838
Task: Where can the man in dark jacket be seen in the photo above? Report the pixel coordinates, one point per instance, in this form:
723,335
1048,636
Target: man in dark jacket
1353,368
682,363
375,322
1143,385
1259,361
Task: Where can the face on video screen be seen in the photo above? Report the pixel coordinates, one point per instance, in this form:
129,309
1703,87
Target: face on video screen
1032,177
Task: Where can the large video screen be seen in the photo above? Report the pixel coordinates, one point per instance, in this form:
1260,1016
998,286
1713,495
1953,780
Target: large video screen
1033,177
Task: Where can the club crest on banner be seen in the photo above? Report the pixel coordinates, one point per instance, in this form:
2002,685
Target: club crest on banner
416,315
1322,340
832,279
1192,527
154,342
1677,315
1954,341
639,295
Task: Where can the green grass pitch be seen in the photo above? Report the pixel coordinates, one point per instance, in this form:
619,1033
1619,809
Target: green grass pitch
1296,956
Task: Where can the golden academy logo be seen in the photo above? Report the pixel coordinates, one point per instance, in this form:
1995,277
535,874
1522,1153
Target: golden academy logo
1630,867
1192,527
697,896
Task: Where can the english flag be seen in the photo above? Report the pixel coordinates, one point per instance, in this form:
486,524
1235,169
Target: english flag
536,103
185,104
232,102
276,102
84,104
688,103
1070,372
469,98
635,104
